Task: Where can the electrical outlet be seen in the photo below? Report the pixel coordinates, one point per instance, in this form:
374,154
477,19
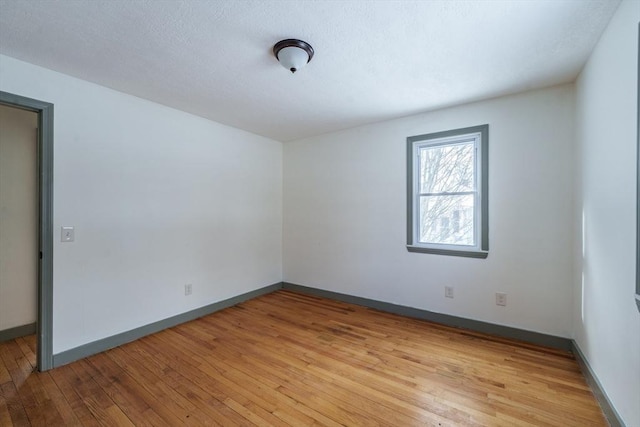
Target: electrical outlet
67,234
501,298
188,289
448,291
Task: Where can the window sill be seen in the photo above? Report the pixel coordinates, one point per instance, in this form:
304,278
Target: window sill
450,252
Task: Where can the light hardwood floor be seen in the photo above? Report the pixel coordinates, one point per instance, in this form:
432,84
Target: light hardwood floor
287,359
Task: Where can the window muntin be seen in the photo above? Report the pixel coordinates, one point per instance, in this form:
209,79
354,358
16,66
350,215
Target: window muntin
447,206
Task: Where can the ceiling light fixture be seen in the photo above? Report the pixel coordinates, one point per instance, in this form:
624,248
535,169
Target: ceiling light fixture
293,54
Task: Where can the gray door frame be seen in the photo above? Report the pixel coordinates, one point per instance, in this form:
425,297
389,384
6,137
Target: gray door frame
638,184
44,328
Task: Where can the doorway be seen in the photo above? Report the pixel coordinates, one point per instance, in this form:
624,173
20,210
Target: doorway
18,222
44,244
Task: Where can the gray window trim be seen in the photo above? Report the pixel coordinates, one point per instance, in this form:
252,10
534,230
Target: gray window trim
484,191
44,329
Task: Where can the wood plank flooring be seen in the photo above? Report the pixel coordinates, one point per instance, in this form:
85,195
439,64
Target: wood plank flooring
287,359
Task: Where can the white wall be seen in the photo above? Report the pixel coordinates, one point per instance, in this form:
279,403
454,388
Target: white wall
18,217
345,214
159,198
606,320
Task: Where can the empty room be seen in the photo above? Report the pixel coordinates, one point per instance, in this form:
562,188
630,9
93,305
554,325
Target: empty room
337,213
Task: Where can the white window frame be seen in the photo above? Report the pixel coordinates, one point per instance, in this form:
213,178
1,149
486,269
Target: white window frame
479,135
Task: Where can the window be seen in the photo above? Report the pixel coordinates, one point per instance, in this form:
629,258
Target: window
447,190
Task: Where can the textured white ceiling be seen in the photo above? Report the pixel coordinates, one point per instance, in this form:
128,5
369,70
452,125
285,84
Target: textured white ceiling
374,60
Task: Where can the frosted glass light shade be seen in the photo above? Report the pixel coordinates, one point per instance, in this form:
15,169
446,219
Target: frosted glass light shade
293,54
293,58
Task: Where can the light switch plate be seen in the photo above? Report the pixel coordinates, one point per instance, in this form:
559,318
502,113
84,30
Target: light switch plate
67,234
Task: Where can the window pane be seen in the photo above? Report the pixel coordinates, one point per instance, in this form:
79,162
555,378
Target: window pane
447,168
447,220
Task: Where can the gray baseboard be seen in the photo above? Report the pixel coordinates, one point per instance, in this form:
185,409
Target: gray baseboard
98,346
104,344
17,332
609,411
445,319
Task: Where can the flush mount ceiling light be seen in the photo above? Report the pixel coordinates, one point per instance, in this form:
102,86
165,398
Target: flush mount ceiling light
293,54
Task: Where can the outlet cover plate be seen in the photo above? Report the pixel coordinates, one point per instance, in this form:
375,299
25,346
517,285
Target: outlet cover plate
501,298
67,234
448,291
